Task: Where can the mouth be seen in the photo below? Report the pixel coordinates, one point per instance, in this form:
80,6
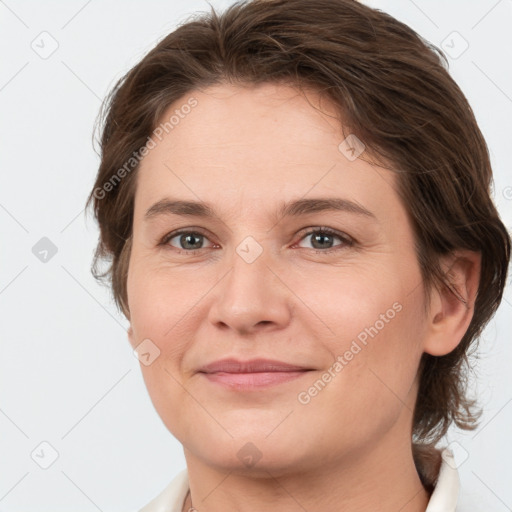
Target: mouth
253,374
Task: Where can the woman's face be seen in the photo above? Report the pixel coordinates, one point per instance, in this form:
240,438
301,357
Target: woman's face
255,277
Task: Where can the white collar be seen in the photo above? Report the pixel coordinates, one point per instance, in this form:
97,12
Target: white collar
446,492
443,499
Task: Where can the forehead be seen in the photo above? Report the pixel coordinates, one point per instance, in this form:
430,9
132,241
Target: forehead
233,116
246,146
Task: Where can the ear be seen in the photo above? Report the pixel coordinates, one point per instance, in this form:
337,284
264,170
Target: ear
449,316
131,337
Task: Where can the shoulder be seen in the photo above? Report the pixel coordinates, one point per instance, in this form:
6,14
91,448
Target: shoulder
172,497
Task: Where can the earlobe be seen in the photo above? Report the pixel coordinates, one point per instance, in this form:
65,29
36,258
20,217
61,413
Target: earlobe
452,309
130,335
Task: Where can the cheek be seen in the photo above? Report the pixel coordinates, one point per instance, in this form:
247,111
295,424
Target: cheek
378,361
362,305
156,300
378,322
158,313
163,309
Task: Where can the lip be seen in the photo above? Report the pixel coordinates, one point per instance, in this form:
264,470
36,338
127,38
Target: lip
252,374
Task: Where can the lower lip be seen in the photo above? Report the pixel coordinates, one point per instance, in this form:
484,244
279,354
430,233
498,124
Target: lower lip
256,380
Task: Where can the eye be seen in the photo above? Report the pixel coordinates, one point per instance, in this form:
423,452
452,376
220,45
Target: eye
323,239
187,241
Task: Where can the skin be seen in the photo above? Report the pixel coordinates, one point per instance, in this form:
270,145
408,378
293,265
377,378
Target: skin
244,151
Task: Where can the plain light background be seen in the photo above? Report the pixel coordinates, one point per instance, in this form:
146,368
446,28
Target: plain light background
68,377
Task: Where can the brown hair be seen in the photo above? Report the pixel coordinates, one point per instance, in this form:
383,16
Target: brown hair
393,91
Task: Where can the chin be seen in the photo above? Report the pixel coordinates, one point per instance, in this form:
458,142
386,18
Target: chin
254,453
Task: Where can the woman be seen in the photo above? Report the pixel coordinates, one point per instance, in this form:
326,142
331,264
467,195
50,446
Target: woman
295,199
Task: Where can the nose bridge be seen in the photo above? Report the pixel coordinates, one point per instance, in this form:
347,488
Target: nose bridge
250,294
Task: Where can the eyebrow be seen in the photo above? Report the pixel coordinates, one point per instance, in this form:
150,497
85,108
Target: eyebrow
291,209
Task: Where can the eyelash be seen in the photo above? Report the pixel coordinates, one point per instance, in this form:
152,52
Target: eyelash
345,239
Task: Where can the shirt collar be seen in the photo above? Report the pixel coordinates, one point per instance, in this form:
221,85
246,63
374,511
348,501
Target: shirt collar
446,492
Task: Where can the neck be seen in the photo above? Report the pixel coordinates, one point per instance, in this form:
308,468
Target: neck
369,480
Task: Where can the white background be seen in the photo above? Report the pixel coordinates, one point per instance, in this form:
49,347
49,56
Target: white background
67,374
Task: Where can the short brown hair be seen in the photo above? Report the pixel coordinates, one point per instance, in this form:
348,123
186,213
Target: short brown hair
393,91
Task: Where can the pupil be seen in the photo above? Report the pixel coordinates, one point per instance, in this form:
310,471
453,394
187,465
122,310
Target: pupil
317,237
185,238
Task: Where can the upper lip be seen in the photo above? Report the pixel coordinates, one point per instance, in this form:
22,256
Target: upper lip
231,365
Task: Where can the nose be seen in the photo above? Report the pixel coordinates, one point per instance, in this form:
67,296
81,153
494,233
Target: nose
252,297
